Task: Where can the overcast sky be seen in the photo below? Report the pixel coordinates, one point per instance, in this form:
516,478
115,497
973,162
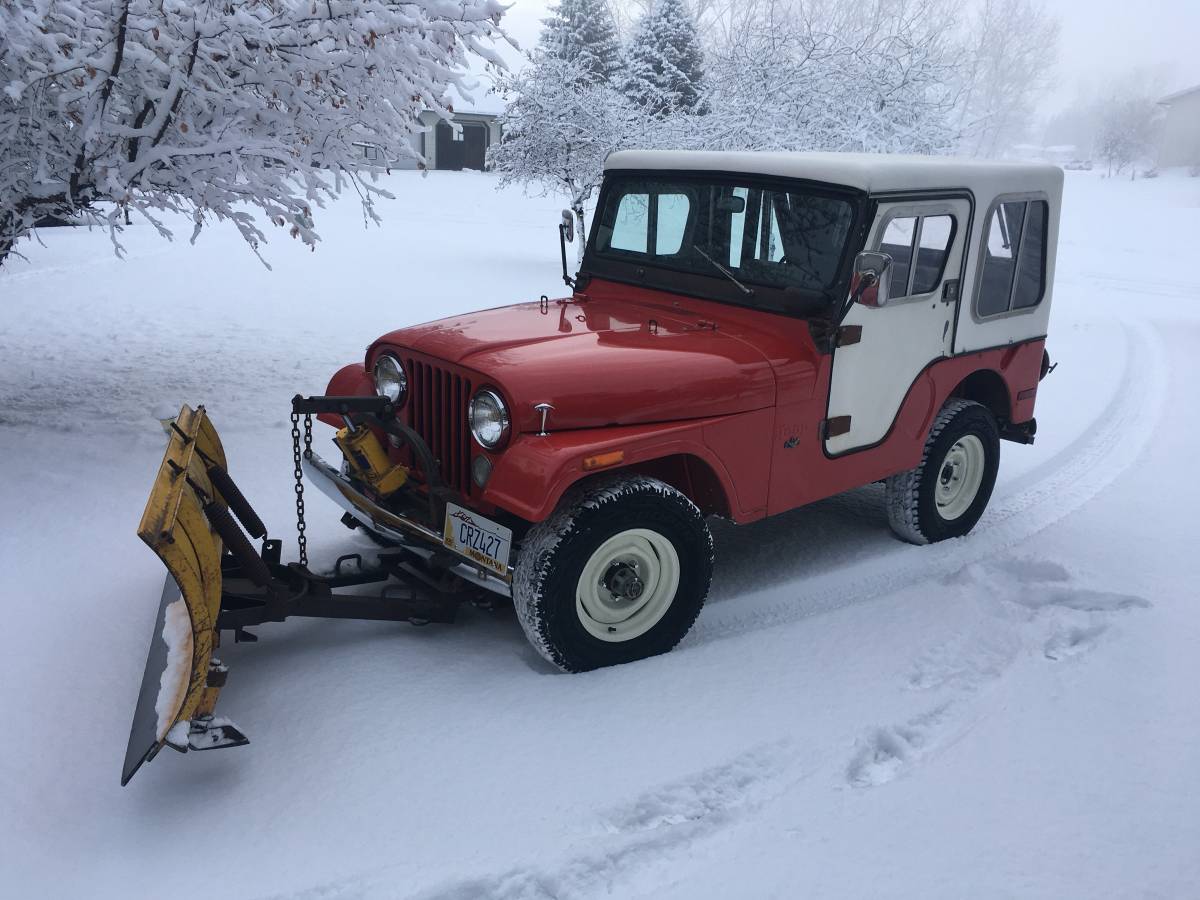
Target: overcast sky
1100,39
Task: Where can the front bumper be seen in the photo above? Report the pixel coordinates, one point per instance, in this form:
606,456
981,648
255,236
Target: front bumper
412,535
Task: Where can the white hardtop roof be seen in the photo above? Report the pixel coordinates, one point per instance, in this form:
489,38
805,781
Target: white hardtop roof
872,172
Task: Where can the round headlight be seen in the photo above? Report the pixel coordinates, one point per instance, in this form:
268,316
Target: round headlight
488,417
390,380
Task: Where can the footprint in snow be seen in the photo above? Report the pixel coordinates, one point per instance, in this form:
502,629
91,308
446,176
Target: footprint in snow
889,751
706,796
1072,641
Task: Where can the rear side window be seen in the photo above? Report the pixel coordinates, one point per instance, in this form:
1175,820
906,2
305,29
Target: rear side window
918,248
1014,258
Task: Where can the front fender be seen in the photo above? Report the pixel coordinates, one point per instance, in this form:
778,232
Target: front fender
348,381
530,476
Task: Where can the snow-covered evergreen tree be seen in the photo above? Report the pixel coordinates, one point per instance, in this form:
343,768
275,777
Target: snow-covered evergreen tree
665,62
583,34
213,109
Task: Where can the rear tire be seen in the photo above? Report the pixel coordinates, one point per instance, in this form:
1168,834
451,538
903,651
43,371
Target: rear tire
618,573
945,495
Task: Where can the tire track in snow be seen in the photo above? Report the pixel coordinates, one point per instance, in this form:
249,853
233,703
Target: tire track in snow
1034,502
631,838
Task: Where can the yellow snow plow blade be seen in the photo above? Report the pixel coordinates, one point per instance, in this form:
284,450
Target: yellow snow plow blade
180,686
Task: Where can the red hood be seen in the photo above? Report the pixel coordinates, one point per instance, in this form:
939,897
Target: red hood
622,356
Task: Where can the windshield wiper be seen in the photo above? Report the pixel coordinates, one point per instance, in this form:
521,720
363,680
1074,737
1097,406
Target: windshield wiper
749,292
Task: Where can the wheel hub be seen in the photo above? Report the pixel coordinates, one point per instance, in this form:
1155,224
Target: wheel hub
622,581
627,585
960,477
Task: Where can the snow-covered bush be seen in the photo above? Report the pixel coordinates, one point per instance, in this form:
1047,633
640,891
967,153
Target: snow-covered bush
215,109
1127,130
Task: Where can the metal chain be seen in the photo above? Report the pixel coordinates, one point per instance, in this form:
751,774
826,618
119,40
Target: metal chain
301,540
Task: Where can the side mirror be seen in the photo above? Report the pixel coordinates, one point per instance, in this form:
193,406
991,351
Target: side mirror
870,287
566,234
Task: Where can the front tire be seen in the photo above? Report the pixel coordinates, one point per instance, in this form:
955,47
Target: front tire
945,495
618,573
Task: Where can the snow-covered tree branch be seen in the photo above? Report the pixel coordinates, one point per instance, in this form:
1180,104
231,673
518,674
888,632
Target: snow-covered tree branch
835,76
217,110
1011,47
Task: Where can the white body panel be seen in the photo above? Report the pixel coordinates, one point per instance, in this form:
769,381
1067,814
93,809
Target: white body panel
871,378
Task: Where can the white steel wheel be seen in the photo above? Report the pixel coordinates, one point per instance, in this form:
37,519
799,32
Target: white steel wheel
959,477
618,573
945,494
627,585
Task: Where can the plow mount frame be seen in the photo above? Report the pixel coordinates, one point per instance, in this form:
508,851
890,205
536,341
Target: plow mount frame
197,521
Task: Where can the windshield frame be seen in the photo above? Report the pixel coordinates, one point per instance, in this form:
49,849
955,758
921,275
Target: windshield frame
790,301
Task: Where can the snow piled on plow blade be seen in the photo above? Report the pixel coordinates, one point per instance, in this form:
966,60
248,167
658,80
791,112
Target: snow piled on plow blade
175,687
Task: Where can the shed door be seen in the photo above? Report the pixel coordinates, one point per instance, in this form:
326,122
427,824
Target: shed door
871,378
461,148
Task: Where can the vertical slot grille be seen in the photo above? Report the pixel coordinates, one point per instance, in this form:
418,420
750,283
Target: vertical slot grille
437,411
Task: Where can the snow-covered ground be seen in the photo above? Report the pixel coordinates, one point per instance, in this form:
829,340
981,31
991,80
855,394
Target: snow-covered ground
1013,714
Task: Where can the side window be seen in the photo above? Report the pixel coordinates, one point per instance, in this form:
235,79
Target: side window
1031,261
898,243
937,234
1014,260
918,248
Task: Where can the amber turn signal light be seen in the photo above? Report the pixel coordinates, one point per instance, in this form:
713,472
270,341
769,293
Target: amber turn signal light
603,460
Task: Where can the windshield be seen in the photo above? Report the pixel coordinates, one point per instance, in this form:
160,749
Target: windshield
752,236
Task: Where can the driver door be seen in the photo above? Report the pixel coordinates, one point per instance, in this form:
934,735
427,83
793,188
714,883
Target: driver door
881,351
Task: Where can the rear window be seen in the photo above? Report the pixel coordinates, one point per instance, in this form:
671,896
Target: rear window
1014,260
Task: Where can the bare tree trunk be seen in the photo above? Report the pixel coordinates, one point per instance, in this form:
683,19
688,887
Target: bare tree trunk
7,237
581,231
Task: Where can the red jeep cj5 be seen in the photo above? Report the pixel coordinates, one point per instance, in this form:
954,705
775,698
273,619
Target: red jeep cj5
748,332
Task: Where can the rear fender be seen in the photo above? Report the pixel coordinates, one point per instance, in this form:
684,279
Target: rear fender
533,472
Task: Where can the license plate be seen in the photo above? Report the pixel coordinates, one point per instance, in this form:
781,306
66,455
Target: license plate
482,540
